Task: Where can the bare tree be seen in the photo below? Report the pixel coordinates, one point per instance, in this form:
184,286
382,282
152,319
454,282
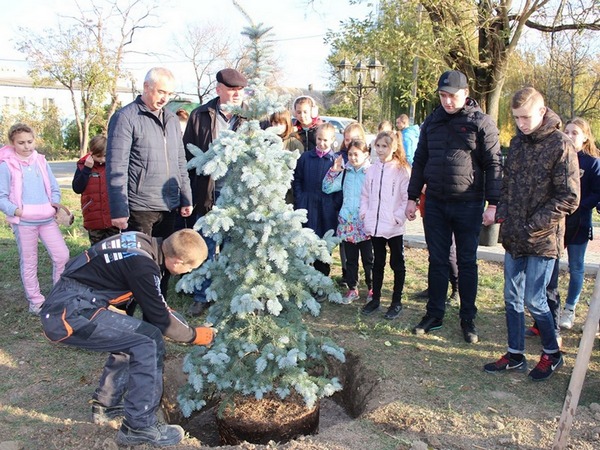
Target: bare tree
204,46
83,55
482,35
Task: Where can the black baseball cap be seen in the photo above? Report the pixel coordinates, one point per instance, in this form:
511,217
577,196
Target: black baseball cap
452,81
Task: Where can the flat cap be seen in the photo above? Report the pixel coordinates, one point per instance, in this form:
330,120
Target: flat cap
231,78
452,81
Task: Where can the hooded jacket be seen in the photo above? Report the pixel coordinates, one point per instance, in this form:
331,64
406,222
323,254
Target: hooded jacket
383,199
90,182
145,162
458,156
540,187
11,198
350,228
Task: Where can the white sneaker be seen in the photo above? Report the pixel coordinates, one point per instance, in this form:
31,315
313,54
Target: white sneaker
350,296
567,317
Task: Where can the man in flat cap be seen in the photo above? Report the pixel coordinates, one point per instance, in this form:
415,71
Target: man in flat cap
204,125
458,158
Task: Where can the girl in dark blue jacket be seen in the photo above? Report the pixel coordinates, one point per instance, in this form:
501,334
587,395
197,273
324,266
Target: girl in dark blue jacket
579,224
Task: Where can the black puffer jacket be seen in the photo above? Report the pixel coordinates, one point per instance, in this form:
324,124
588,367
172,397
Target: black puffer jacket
458,157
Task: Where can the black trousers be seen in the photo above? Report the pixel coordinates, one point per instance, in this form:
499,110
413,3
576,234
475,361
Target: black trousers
363,249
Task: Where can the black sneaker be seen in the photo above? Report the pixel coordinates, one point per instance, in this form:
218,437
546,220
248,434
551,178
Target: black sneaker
393,312
469,331
452,299
546,367
506,363
427,324
159,435
370,308
103,414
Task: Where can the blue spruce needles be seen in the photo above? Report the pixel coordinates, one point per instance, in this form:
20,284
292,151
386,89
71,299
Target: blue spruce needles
262,281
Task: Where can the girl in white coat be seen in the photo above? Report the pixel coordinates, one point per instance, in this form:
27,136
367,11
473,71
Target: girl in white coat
383,200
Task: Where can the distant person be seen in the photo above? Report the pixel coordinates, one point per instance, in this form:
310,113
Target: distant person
540,187
382,205
90,181
288,134
348,179
29,196
579,227
384,125
306,113
322,209
354,131
289,138
205,124
183,118
148,183
410,136
86,310
458,158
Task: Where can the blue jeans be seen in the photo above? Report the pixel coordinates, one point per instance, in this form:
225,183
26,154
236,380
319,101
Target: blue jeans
576,254
525,282
442,219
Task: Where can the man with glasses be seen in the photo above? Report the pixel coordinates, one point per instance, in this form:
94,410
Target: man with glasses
146,172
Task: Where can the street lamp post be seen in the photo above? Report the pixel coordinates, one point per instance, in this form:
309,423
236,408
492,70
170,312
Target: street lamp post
374,70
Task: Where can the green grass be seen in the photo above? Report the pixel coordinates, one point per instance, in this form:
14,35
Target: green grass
430,385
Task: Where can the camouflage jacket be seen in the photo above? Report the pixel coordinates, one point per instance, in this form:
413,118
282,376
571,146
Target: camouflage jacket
539,188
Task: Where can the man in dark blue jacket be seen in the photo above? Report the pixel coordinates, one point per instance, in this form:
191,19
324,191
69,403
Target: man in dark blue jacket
458,157
146,172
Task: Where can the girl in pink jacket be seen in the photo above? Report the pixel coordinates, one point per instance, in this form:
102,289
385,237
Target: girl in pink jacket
29,196
382,203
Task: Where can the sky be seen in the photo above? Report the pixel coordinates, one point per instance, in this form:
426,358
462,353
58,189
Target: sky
298,32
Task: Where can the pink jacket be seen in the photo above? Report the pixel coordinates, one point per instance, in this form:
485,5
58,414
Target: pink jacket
383,199
37,212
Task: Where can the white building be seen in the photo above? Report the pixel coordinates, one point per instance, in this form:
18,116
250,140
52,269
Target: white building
17,90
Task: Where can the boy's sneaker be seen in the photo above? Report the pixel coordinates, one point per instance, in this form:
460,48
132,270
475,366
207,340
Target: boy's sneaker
350,296
427,324
469,331
159,435
102,414
370,308
393,312
506,363
567,317
546,367
532,332
369,296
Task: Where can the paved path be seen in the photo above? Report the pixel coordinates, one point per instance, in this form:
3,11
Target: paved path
414,238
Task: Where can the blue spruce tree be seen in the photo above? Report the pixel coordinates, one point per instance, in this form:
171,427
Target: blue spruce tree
262,282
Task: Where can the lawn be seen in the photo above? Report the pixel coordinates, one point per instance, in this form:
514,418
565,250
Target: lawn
430,390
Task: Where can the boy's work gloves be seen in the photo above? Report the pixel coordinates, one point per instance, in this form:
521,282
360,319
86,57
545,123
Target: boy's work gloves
204,336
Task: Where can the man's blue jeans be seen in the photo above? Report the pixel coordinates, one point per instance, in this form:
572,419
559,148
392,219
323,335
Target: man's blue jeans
576,254
525,282
442,219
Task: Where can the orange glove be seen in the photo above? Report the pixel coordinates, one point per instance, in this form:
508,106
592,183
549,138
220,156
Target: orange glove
204,336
